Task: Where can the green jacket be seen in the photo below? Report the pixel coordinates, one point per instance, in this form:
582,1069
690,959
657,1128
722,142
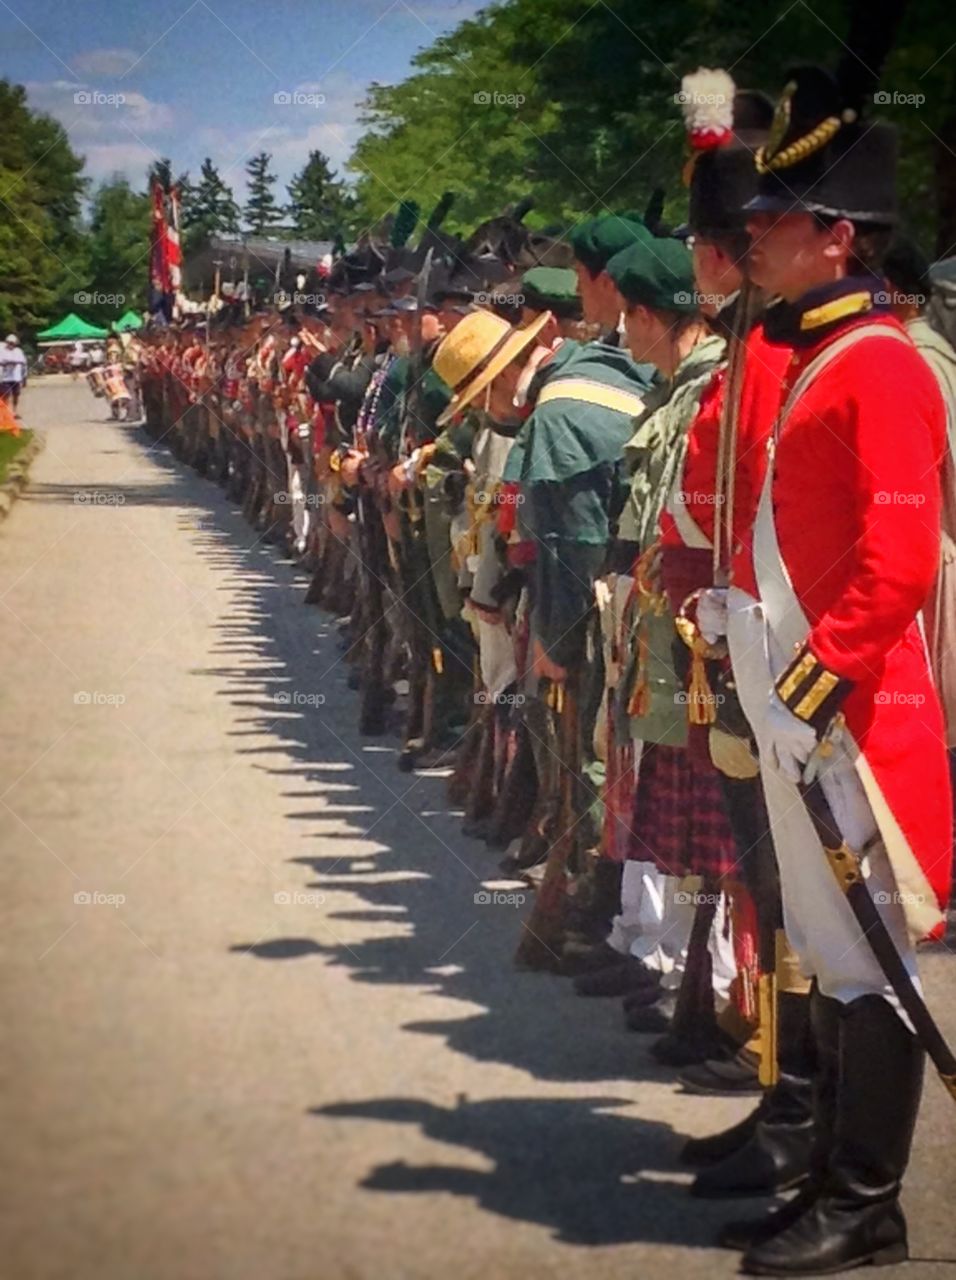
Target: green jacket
566,459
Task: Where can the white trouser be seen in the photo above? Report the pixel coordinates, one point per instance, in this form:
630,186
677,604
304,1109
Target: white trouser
298,480
819,922
655,923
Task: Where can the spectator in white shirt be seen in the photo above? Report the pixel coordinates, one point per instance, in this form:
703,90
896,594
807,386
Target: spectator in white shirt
13,370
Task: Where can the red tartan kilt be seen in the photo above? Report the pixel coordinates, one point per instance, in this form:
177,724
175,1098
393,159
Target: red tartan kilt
679,820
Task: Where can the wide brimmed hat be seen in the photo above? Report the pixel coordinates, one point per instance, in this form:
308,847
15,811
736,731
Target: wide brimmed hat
479,347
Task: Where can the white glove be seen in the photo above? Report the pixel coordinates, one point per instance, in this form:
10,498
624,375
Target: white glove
712,613
789,740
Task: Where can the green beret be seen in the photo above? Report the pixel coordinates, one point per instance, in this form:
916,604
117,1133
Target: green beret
657,273
596,240
552,289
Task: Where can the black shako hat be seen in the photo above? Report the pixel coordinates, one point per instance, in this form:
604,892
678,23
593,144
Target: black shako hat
822,155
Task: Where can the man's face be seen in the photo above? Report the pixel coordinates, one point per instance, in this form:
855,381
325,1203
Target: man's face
716,273
598,296
432,327
501,406
792,252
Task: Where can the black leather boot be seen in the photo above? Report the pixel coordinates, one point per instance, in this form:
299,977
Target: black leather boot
824,1015
774,1155
856,1217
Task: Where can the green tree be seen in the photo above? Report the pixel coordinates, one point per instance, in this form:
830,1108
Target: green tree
319,205
208,208
575,102
119,244
42,252
261,210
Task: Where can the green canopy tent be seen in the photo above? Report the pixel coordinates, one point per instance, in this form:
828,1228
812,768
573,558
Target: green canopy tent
127,322
71,329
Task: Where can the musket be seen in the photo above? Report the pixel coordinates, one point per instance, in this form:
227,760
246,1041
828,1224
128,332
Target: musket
847,866
761,859
542,932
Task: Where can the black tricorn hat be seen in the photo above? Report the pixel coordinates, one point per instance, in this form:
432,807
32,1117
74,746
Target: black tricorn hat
822,156
724,178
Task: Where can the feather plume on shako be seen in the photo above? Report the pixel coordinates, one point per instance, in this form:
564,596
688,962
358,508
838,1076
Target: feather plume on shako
707,101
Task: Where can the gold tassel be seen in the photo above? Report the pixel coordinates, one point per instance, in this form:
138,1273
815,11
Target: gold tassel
438,662
701,708
640,700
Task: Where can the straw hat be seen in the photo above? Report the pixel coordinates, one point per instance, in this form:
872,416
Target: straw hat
478,348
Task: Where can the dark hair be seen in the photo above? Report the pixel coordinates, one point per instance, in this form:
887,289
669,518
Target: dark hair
906,267
870,243
733,243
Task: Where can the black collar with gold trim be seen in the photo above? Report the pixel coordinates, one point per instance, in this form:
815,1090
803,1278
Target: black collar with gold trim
824,311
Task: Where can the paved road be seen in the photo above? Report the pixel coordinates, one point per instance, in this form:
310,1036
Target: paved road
256,1026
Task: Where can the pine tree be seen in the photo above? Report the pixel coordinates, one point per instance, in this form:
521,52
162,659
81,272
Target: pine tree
320,207
261,210
208,208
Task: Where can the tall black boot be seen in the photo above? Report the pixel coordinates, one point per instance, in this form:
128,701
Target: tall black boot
825,1032
856,1217
772,1153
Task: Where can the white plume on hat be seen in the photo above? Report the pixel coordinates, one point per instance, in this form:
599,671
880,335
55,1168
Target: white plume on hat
707,101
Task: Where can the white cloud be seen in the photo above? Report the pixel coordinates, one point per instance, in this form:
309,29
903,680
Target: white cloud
89,112
105,62
103,160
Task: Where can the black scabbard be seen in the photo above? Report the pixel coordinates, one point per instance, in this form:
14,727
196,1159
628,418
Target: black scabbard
846,866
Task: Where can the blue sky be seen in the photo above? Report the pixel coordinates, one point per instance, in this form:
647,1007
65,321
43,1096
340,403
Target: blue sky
135,79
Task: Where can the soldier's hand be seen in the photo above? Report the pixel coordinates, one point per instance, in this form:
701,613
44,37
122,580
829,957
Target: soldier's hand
350,471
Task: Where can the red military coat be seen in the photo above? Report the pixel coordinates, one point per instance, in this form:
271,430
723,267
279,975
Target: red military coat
855,510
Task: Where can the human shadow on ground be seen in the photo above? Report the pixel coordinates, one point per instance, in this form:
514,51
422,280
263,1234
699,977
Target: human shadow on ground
407,904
